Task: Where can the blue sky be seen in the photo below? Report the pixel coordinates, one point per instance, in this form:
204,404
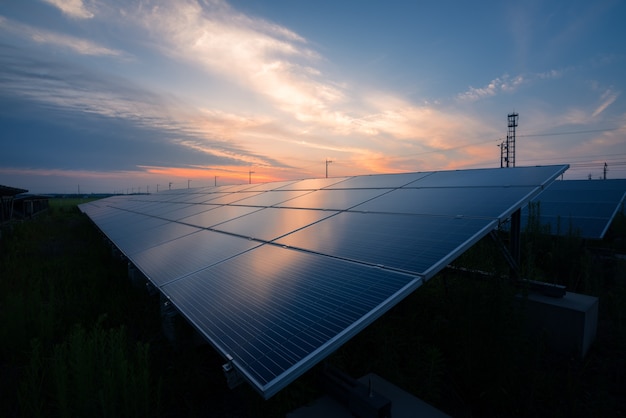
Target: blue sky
127,95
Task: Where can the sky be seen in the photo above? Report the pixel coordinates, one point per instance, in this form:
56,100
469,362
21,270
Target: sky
126,96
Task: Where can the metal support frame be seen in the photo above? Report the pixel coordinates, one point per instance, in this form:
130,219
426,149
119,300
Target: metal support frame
512,255
515,244
513,265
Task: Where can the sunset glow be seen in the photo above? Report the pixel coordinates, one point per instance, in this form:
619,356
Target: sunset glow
123,95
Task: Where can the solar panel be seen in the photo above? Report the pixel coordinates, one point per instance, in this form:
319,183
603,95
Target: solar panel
271,223
277,276
217,215
375,181
271,198
274,309
405,242
581,207
333,199
449,201
188,254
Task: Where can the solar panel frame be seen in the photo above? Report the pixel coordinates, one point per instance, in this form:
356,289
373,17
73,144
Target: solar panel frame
235,266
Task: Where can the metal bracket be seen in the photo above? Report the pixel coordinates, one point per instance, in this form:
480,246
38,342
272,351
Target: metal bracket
233,378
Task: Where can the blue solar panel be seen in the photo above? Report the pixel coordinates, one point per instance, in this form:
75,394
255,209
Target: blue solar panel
487,202
217,215
271,223
271,198
488,177
579,207
188,254
379,181
228,198
277,276
270,186
407,242
274,309
152,237
313,184
333,199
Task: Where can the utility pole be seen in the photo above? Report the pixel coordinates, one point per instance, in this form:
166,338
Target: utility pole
170,185
250,173
605,170
327,162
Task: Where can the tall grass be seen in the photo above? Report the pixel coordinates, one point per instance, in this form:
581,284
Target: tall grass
64,305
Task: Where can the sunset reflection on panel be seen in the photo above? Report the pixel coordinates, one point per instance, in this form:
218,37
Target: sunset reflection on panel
279,276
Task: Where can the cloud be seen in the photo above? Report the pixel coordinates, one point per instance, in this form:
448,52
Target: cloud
90,113
268,60
608,97
42,36
505,84
278,68
72,8
287,116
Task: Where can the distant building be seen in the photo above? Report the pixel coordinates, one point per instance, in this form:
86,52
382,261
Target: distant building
7,197
15,204
27,206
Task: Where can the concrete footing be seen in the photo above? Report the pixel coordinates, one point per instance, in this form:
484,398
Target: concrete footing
569,323
403,404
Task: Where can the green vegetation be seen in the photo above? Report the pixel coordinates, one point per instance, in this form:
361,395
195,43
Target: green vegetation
67,349
80,340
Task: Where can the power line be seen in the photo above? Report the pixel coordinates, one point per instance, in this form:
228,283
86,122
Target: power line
603,157
437,151
569,133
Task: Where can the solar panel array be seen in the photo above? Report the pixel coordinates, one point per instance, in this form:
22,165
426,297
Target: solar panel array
582,207
279,275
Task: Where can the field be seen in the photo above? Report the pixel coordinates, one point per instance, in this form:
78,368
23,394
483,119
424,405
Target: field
79,340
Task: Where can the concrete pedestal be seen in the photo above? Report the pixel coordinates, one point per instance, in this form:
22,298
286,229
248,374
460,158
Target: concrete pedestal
568,323
403,404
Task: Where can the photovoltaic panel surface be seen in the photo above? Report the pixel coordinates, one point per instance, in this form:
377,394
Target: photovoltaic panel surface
279,275
405,242
581,207
272,308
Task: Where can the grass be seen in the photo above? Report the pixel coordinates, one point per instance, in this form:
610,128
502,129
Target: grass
65,309
80,340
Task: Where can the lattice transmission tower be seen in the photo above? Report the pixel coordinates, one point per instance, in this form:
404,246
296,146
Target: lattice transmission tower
507,149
